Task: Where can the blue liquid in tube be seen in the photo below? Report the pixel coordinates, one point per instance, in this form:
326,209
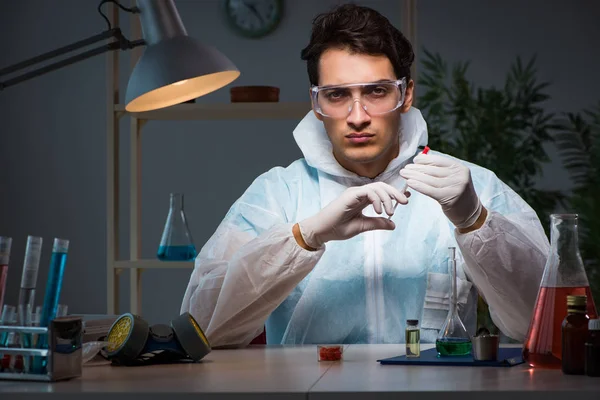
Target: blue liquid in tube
56,272
53,287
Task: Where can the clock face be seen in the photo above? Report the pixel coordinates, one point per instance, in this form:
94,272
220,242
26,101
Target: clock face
254,18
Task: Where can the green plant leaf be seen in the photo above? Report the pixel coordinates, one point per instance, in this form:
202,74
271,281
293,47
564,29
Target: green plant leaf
578,143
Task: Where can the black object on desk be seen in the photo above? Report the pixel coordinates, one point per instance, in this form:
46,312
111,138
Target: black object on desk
507,357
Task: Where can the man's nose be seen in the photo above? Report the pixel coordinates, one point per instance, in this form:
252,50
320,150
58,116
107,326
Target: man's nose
358,115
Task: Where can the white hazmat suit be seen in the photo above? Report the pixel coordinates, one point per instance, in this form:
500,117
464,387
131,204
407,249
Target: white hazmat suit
252,273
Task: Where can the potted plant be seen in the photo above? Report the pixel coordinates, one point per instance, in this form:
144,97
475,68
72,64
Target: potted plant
578,143
503,129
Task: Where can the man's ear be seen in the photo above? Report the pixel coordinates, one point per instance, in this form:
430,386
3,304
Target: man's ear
408,96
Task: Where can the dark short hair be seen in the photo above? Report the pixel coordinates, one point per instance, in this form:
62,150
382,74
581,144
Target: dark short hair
360,30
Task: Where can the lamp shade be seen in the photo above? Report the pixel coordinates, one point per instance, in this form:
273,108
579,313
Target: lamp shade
174,67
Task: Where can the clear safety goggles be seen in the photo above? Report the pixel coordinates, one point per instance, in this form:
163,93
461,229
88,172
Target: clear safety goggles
376,98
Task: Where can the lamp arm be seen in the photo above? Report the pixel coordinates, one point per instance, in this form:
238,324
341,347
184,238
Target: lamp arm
121,43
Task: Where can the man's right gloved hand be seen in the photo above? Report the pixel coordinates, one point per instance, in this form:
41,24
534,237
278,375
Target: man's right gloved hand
343,218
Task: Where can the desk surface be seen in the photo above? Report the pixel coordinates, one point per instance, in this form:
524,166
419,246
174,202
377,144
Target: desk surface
294,373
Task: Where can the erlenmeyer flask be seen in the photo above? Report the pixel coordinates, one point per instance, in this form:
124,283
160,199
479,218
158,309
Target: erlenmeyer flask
176,243
453,339
564,275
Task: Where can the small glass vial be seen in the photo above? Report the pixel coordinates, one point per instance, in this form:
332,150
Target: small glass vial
413,338
592,349
574,336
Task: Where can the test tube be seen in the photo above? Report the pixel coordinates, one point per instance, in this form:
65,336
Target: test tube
31,265
58,260
5,245
23,340
62,310
405,187
7,318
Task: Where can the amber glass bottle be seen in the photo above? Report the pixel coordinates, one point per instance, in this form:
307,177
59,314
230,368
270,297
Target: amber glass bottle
574,336
592,349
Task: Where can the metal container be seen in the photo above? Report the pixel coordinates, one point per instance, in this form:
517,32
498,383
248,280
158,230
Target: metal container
485,347
62,358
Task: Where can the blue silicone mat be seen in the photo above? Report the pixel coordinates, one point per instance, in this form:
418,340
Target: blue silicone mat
507,357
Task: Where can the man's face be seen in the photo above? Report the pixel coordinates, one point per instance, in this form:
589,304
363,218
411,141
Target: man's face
368,156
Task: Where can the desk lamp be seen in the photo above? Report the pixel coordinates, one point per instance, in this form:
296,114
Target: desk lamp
174,67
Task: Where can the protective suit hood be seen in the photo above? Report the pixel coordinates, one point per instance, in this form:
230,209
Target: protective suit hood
311,137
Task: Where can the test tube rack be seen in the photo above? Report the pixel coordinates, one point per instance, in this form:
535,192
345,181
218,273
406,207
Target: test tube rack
63,355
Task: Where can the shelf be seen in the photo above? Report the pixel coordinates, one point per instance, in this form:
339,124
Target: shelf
223,111
202,109
153,264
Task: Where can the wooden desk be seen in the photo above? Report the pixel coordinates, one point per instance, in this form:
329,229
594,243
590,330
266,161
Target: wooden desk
294,373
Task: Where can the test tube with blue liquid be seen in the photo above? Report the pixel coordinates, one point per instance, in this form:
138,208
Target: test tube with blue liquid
54,283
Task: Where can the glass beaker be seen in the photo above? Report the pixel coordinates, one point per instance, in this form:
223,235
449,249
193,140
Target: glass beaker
453,339
564,275
176,243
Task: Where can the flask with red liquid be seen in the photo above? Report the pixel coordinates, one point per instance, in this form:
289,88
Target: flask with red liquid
564,275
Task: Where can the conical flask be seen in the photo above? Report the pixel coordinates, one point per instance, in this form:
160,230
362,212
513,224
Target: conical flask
176,243
453,339
564,275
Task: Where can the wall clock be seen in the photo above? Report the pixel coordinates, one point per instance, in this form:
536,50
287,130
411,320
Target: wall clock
253,18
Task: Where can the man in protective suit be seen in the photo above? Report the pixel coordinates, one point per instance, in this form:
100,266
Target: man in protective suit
308,250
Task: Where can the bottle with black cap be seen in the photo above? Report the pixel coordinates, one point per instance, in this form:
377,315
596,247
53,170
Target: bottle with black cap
574,335
592,349
413,338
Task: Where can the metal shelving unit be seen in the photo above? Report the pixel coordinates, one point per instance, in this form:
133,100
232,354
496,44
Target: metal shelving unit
115,264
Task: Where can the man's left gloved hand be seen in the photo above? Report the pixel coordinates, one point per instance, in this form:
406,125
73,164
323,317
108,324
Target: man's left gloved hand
447,181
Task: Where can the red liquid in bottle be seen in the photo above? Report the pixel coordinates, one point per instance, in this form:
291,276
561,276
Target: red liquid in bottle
543,345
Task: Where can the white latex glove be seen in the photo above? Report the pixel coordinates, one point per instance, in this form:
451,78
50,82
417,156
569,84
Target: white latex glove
447,181
343,218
